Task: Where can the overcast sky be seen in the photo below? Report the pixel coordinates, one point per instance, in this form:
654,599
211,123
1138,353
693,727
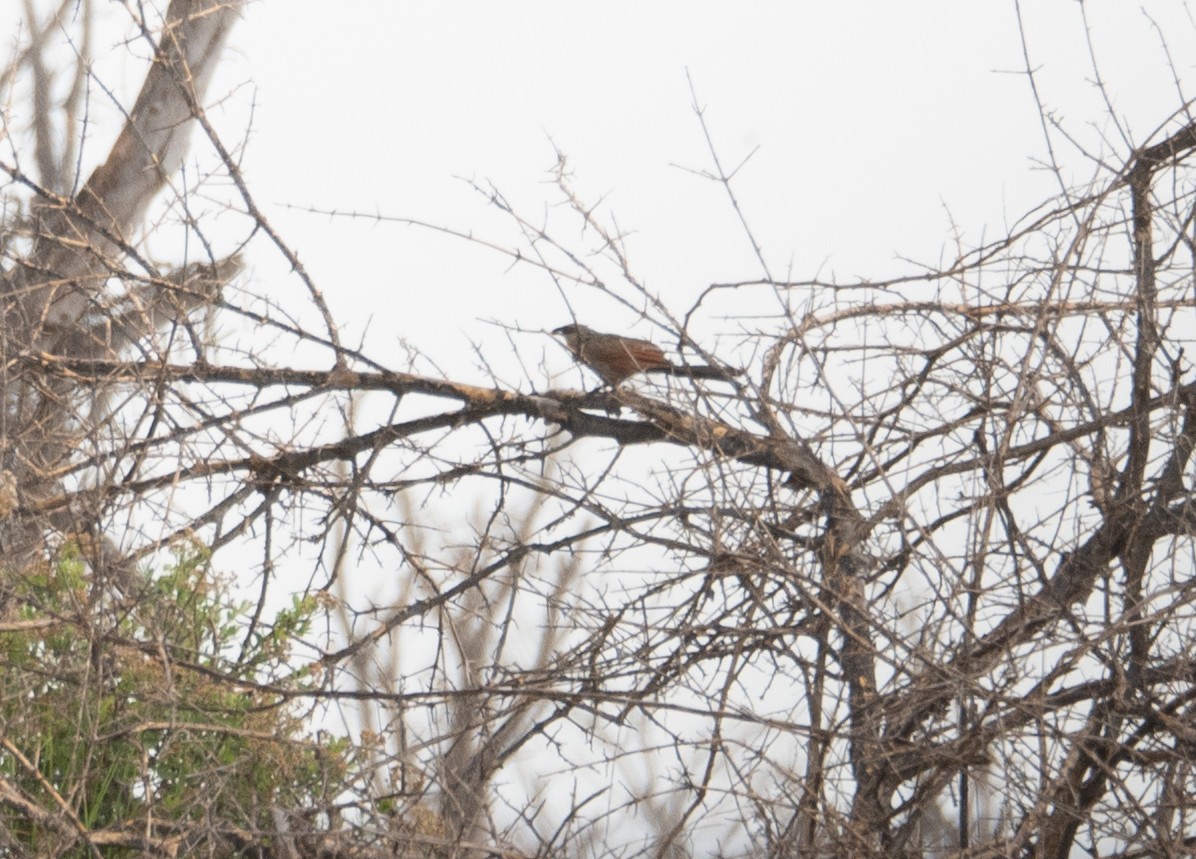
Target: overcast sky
875,127
880,135
878,130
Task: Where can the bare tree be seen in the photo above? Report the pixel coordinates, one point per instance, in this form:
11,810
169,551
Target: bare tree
918,584
77,287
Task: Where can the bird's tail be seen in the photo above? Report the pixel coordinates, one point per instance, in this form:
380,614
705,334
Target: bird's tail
719,374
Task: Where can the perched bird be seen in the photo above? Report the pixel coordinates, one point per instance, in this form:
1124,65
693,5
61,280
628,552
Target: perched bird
615,357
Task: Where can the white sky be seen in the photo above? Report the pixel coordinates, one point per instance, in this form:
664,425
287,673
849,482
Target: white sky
876,124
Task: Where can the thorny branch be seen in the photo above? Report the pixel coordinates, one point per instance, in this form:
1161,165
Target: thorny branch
797,615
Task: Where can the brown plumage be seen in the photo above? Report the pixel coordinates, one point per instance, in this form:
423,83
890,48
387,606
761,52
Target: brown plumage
615,358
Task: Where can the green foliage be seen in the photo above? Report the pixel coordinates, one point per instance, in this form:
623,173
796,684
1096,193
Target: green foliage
141,707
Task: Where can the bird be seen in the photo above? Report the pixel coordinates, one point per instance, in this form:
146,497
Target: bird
615,358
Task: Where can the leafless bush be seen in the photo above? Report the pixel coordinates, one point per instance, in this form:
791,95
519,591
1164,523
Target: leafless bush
915,585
